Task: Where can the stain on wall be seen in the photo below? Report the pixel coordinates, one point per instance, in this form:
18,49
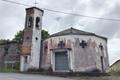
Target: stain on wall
85,59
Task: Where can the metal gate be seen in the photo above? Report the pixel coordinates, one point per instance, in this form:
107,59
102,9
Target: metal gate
61,61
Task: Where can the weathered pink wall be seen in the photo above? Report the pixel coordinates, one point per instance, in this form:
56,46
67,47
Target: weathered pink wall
84,59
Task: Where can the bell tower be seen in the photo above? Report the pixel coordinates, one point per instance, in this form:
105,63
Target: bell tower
30,51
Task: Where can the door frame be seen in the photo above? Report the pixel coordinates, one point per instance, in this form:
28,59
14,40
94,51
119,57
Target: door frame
24,65
53,59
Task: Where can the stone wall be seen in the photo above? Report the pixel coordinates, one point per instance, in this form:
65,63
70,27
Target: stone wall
9,55
2,56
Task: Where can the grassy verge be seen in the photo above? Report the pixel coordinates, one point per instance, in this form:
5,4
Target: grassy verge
6,70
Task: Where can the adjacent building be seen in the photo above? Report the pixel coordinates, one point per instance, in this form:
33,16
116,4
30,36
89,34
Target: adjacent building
115,67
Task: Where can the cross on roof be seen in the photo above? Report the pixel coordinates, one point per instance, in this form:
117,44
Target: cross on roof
35,3
61,44
83,44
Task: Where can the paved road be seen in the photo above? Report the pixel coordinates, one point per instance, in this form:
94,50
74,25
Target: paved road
14,76
17,76
98,78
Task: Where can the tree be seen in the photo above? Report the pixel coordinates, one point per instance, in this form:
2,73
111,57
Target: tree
45,34
19,36
4,41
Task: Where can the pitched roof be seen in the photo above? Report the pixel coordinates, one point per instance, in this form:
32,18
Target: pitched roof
35,8
115,63
73,31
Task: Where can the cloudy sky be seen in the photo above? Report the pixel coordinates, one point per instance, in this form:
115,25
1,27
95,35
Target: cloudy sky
12,19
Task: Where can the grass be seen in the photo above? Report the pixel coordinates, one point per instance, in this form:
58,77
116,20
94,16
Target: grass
8,70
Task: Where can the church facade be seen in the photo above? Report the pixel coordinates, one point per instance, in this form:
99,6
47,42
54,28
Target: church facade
75,50
70,50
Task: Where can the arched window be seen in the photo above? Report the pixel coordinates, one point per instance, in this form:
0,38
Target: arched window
30,21
37,22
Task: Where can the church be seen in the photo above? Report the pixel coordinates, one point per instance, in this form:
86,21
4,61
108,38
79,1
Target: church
70,50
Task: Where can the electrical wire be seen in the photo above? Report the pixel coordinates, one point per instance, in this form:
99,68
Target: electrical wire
73,14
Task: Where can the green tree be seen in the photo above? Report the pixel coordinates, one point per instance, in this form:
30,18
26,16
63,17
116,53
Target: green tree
19,36
45,34
4,41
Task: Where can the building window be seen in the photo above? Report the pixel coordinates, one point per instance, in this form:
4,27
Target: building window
27,38
83,44
36,38
102,62
61,44
30,21
37,22
101,46
26,59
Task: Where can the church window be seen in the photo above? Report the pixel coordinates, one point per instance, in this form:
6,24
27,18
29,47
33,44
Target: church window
61,44
37,22
30,21
36,38
27,38
101,46
102,62
83,44
26,59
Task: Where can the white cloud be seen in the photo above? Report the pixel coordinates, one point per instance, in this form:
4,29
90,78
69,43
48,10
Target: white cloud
113,48
12,18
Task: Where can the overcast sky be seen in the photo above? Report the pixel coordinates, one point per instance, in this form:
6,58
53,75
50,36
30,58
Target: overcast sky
12,19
